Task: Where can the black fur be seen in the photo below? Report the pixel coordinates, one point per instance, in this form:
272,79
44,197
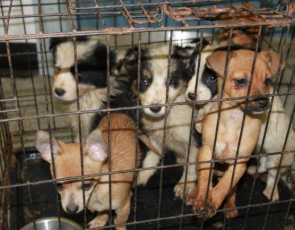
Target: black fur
93,71
177,58
124,99
190,71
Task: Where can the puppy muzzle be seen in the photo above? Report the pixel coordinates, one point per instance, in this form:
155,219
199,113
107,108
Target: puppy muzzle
258,106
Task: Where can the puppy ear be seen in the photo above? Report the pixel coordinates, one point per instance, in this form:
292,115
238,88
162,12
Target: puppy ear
43,145
96,147
131,59
273,59
183,53
216,62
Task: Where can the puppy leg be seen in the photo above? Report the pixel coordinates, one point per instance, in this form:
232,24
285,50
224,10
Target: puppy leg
151,160
271,176
122,214
261,168
200,204
221,190
232,204
100,220
191,176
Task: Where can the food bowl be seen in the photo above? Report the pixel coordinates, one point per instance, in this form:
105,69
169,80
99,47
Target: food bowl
51,223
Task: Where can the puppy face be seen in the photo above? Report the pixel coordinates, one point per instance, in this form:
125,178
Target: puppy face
239,73
91,65
207,79
67,164
153,75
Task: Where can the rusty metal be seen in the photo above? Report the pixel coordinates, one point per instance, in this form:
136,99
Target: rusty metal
135,15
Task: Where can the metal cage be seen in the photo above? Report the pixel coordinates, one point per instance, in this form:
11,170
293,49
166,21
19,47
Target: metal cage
27,190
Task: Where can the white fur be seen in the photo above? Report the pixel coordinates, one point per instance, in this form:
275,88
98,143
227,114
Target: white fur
274,142
64,59
203,93
91,99
177,126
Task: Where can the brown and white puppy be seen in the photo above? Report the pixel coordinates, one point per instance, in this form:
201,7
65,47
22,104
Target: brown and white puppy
152,91
245,36
95,158
277,125
230,122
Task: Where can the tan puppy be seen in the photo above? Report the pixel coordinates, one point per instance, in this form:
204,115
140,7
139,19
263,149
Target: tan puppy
230,122
95,157
245,36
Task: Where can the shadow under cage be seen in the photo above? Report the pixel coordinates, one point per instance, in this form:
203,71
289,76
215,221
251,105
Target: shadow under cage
70,66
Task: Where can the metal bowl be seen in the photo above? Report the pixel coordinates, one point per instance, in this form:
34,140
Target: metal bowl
51,223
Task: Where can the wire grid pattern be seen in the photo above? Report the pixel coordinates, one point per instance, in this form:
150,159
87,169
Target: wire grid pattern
135,14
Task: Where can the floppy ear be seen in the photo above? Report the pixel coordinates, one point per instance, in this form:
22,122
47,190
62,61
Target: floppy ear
43,145
131,59
216,62
273,59
96,147
184,54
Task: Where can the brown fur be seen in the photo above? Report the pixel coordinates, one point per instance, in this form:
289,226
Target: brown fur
67,164
230,123
248,39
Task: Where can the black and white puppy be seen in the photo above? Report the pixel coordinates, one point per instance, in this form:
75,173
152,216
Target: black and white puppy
152,91
92,81
277,127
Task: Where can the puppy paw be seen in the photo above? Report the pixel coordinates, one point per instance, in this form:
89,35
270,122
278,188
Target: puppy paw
98,221
231,213
179,189
267,193
144,176
200,205
251,170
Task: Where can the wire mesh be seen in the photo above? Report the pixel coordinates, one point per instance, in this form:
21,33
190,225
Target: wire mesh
27,104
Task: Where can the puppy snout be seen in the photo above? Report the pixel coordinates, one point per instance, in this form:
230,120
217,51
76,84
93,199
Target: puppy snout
262,103
59,92
156,109
191,96
72,209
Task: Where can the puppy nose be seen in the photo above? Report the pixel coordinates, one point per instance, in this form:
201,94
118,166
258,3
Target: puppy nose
59,92
262,103
191,96
72,209
155,109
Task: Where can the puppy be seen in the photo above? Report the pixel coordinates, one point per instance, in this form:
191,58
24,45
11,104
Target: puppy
152,91
245,36
92,81
230,122
95,158
277,126
275,136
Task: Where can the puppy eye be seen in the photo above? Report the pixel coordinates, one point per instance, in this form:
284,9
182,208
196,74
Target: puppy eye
57,68
87,186
267,81
171,82
59,186
212,79
80,75
144,81
190,71
241,82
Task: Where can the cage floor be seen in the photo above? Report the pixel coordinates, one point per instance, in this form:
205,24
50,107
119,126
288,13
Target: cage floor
44,201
